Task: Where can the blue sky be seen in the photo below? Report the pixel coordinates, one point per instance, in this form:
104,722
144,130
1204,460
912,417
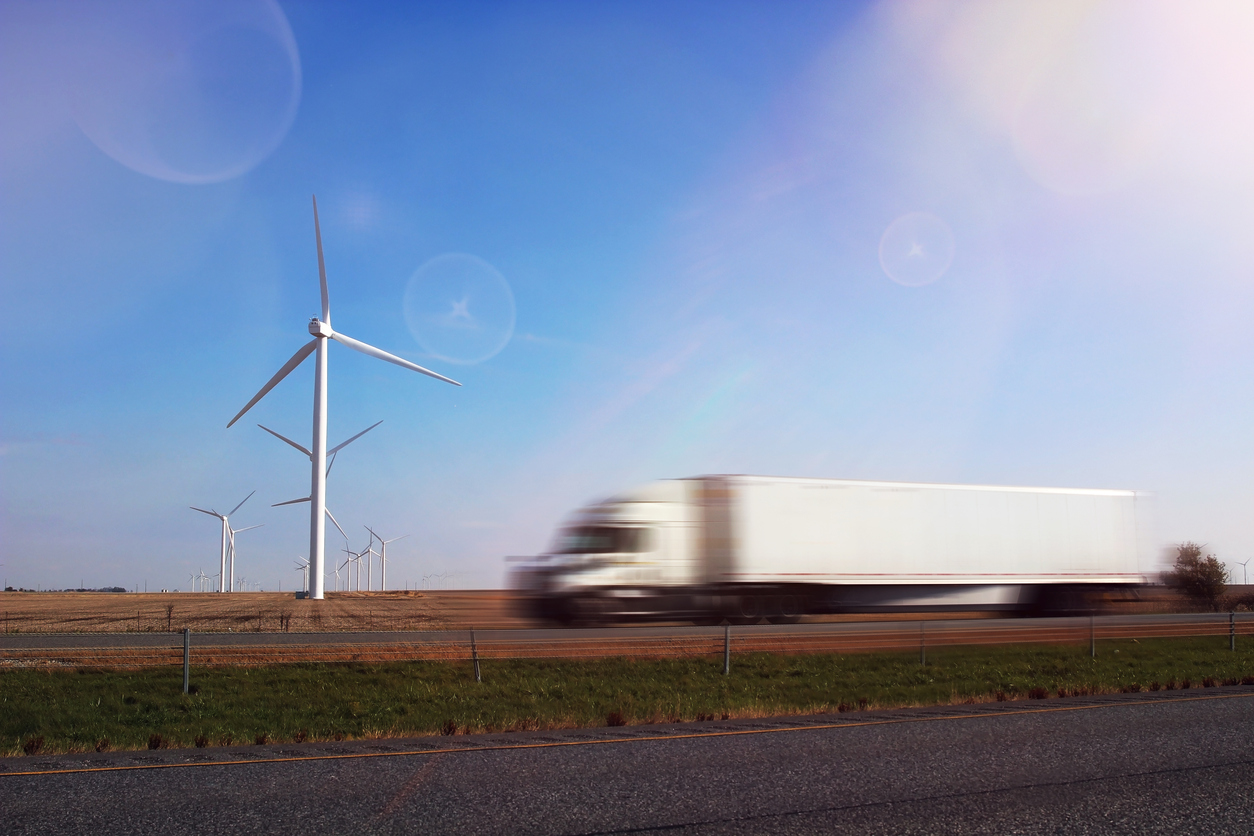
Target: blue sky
694,210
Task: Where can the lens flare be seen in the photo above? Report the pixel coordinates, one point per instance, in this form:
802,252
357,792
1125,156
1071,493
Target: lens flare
916,249
185,92
459,308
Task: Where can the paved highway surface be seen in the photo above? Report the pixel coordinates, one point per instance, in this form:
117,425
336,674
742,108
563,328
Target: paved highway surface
1171,763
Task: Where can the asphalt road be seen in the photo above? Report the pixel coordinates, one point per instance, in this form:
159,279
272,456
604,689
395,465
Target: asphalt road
1122,764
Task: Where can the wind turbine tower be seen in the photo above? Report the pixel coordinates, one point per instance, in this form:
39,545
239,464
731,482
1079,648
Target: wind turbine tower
228,539
383,555
321,331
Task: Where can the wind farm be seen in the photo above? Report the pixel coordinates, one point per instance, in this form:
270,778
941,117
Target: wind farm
321,331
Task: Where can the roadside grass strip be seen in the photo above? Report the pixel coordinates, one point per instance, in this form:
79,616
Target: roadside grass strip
52,711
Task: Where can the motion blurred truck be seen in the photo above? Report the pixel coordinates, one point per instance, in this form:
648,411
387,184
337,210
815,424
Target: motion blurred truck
751,548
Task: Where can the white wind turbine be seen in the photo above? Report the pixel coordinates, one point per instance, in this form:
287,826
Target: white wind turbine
302,566
231,547
383,555
334,451
227,536
357,558
348,574
369,555
321,331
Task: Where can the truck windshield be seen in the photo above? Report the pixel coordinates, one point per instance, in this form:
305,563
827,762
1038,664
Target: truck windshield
601,540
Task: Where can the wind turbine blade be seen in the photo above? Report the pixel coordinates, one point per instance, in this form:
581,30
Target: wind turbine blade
394,539
330,464
250,528
241,505
203,511
370,350
288,440
297,358
340,447
291,502
337,525
322,267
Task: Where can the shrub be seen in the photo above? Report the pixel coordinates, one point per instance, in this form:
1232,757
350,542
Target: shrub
102,745
615,718
201,741
156,741
450,727
1038,694
261,739
33,745
1202,577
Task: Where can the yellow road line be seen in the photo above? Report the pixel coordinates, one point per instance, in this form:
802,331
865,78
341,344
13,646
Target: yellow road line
694,735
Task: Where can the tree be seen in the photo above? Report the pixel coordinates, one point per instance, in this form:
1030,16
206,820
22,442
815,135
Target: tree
1202,578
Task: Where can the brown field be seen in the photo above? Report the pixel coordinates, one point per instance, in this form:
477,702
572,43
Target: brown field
274,612
271,612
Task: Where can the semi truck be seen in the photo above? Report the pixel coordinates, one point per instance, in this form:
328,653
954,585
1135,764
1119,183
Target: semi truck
750,548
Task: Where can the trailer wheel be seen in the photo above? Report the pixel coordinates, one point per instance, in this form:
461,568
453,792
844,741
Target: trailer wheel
748,610
788,609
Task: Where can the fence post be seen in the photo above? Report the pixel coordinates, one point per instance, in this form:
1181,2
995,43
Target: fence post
1092,638
474,654
1232,630
726,649
187,656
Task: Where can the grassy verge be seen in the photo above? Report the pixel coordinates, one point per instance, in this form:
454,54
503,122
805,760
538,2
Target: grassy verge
49,710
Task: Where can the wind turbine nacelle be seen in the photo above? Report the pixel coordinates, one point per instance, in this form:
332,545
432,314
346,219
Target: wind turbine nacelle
319,328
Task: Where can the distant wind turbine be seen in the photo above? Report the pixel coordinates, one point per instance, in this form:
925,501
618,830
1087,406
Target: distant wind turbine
226,536
302,566
321,331
1245,578
383,555
231,547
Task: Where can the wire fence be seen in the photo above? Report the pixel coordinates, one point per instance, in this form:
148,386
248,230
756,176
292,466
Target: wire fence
215,650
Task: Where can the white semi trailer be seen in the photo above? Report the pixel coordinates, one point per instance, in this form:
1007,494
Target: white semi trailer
747,548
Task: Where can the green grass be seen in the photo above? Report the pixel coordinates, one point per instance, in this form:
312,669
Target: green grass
81,710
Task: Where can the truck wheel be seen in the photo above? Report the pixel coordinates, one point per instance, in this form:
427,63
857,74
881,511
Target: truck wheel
788,608
748,610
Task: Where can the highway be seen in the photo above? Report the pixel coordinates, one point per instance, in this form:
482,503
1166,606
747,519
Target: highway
160,648
1163,763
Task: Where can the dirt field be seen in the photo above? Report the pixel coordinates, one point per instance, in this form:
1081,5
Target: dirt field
103,612
206,612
